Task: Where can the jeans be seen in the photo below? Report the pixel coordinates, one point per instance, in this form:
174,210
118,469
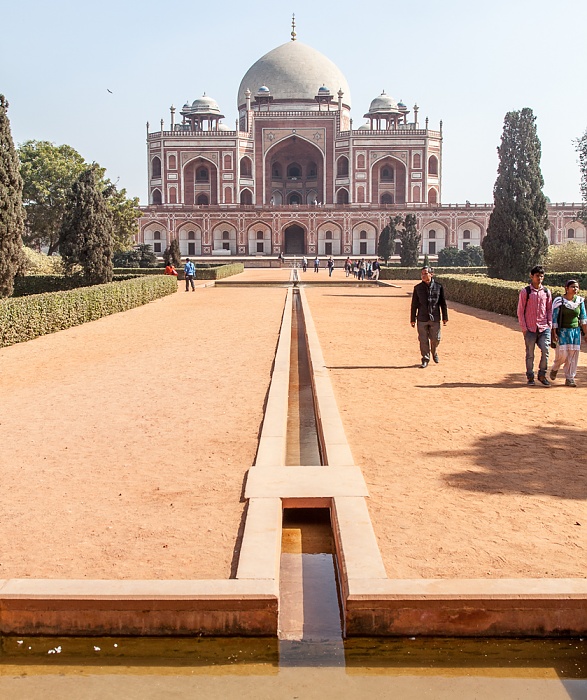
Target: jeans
542,340
189,280
429,337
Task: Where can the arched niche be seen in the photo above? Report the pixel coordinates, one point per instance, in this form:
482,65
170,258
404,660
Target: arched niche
293,164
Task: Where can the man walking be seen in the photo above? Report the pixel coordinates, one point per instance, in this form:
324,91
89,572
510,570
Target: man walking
189,271
376,266
428,303
316,264
535,319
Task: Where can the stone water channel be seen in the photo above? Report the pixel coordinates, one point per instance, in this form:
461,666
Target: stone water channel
310,659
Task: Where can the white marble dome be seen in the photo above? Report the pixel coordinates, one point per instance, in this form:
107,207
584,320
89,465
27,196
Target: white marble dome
205,104
383,104
293,72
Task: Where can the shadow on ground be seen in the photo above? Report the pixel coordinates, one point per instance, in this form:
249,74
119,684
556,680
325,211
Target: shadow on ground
548,461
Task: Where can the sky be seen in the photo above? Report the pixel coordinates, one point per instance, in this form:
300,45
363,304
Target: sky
92,74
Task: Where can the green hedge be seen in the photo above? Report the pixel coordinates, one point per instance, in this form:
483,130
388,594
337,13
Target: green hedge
560,278
42,284
28,317
413,273
485,293
203,271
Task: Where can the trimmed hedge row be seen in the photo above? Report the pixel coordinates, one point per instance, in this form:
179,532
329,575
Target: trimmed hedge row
495,295
413,273
42,284
28,317
560,278
203,272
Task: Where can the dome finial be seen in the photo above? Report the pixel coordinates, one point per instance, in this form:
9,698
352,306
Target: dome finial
293,27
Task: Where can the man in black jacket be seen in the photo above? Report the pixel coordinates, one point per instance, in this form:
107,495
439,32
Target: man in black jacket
428,303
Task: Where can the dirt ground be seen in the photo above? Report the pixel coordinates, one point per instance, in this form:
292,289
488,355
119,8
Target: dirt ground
125,441
471,472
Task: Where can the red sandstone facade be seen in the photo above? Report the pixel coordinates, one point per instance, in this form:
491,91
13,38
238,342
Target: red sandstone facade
295,176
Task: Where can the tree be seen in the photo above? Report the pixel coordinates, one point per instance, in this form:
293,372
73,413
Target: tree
471,256
582,151
125,214
449,257
410,241
48,172
571,257
385,244
86,231
172,254
11,210
474,256
516,239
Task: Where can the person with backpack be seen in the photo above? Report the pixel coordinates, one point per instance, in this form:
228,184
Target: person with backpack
568,315
189,271
535,319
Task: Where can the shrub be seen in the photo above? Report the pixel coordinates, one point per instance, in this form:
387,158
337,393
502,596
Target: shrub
571,256
413,273
204,271
500,296
472,256
42,284
140,256
39,264
29,317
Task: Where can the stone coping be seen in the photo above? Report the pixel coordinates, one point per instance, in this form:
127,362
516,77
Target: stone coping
305,482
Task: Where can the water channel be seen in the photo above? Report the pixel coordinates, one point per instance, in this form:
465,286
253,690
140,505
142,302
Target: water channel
310,659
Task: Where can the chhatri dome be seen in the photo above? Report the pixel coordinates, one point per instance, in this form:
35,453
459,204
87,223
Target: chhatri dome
293,72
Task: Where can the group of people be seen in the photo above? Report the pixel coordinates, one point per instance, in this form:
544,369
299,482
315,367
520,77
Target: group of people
545,322
189,271
360,269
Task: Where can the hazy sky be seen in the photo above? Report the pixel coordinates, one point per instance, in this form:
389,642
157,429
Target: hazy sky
463,62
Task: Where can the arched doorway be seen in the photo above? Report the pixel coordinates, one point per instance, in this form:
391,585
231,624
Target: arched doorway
293,240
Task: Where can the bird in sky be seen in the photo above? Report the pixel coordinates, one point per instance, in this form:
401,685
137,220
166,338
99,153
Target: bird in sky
110,91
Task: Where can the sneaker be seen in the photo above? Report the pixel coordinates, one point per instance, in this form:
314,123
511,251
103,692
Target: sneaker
424,364
435,358
553,373
570,382
531,382
543,380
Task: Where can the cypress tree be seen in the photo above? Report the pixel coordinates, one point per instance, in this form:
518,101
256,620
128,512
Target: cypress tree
410,242
86,231
172,254
384,245
11,209
516,239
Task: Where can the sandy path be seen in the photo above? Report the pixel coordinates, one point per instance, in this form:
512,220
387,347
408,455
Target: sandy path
125,441
471,473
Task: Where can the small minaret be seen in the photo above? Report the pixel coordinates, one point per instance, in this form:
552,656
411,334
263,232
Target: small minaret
416,108
340,96
172,110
